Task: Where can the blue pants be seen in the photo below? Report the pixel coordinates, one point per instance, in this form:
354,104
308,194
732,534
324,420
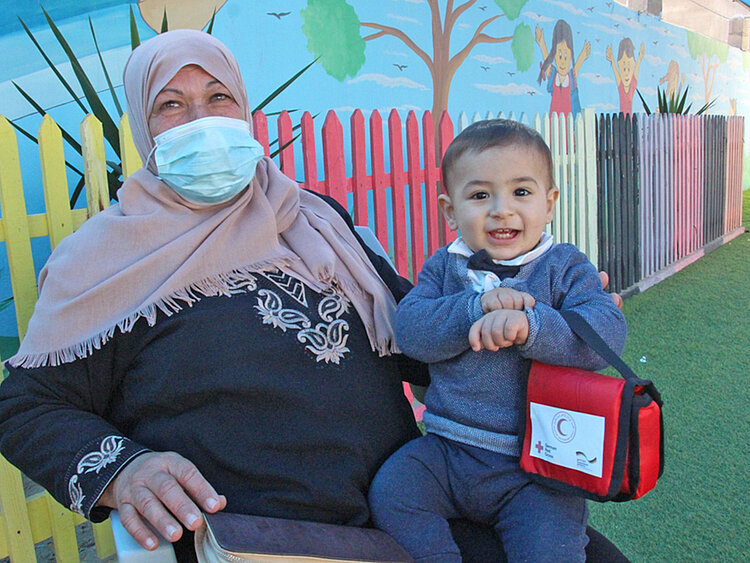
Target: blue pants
433,479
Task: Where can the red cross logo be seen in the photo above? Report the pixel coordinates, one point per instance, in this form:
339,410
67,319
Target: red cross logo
539,446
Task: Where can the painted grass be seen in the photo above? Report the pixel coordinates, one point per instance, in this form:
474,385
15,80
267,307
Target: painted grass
694,331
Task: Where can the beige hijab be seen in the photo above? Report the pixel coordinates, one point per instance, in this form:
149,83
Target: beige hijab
154,251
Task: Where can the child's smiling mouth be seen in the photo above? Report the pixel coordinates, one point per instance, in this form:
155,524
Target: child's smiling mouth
503,234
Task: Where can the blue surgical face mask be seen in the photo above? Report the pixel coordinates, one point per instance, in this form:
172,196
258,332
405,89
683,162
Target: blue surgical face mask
209,160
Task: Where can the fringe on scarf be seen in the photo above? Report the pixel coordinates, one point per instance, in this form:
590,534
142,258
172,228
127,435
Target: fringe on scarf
225,284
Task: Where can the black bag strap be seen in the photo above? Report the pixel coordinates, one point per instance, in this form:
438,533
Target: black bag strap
586,332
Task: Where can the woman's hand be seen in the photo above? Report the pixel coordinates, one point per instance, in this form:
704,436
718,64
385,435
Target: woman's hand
165,490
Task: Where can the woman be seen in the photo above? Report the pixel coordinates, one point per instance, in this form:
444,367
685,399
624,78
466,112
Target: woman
218,327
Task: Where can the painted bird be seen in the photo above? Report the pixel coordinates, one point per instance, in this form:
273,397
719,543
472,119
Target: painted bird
278,15
400,67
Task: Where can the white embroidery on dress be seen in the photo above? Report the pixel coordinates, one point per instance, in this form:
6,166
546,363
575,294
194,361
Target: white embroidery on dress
290,285
327,341
271,310
333,305
109,449
76,495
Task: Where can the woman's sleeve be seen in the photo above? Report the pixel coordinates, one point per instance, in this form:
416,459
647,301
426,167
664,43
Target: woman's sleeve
53,427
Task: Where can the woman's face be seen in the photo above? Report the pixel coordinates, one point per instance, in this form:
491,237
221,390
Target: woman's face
191,94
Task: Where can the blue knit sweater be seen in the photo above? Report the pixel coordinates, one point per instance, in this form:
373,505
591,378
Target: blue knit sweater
477,397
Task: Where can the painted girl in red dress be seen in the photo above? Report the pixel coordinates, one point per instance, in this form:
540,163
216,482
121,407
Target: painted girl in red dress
562,77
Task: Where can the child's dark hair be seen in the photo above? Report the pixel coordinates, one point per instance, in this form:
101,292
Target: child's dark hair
491,133
626,48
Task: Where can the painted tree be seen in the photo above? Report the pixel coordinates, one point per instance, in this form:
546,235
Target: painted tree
332,29
710,54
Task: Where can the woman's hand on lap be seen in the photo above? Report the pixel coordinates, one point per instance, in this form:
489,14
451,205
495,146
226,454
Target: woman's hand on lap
165,490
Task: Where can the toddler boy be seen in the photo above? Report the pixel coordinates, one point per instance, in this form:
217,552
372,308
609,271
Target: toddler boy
483,308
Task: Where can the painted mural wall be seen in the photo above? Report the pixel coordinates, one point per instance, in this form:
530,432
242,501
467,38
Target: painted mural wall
521,56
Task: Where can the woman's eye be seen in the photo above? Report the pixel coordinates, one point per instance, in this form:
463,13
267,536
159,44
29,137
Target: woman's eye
221,96
167,105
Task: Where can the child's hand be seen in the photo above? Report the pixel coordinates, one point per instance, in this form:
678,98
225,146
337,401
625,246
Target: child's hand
499,329
539,34
506,298
609,53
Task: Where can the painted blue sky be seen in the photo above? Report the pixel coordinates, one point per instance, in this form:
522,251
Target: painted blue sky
30,11
271,49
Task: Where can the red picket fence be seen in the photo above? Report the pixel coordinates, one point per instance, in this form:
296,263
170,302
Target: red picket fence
415,177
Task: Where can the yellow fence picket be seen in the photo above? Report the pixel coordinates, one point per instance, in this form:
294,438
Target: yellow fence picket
16,228
131,160
55,181
63,532
94,165
59,225
16,529
15,520
103,538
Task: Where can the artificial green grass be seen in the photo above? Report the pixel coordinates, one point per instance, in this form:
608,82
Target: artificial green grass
693,329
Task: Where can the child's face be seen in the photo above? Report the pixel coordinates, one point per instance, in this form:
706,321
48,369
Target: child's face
500,199
562,58
627,66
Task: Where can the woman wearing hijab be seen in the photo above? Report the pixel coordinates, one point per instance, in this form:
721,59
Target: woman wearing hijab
218,339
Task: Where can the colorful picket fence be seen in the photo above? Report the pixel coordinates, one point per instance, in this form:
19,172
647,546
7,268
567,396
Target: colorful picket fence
636,195
670,188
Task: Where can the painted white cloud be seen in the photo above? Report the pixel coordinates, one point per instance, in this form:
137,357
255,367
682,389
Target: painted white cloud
630,22
399,17
653,60
410,1
735,64
490,60
404,108
662,31
679,50
387,81
603,28
511,89
533,16
396,53
605,108
568,7
596,78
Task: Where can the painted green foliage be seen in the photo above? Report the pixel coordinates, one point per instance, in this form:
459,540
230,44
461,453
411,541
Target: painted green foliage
511,9
340,47
522,46
700,45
